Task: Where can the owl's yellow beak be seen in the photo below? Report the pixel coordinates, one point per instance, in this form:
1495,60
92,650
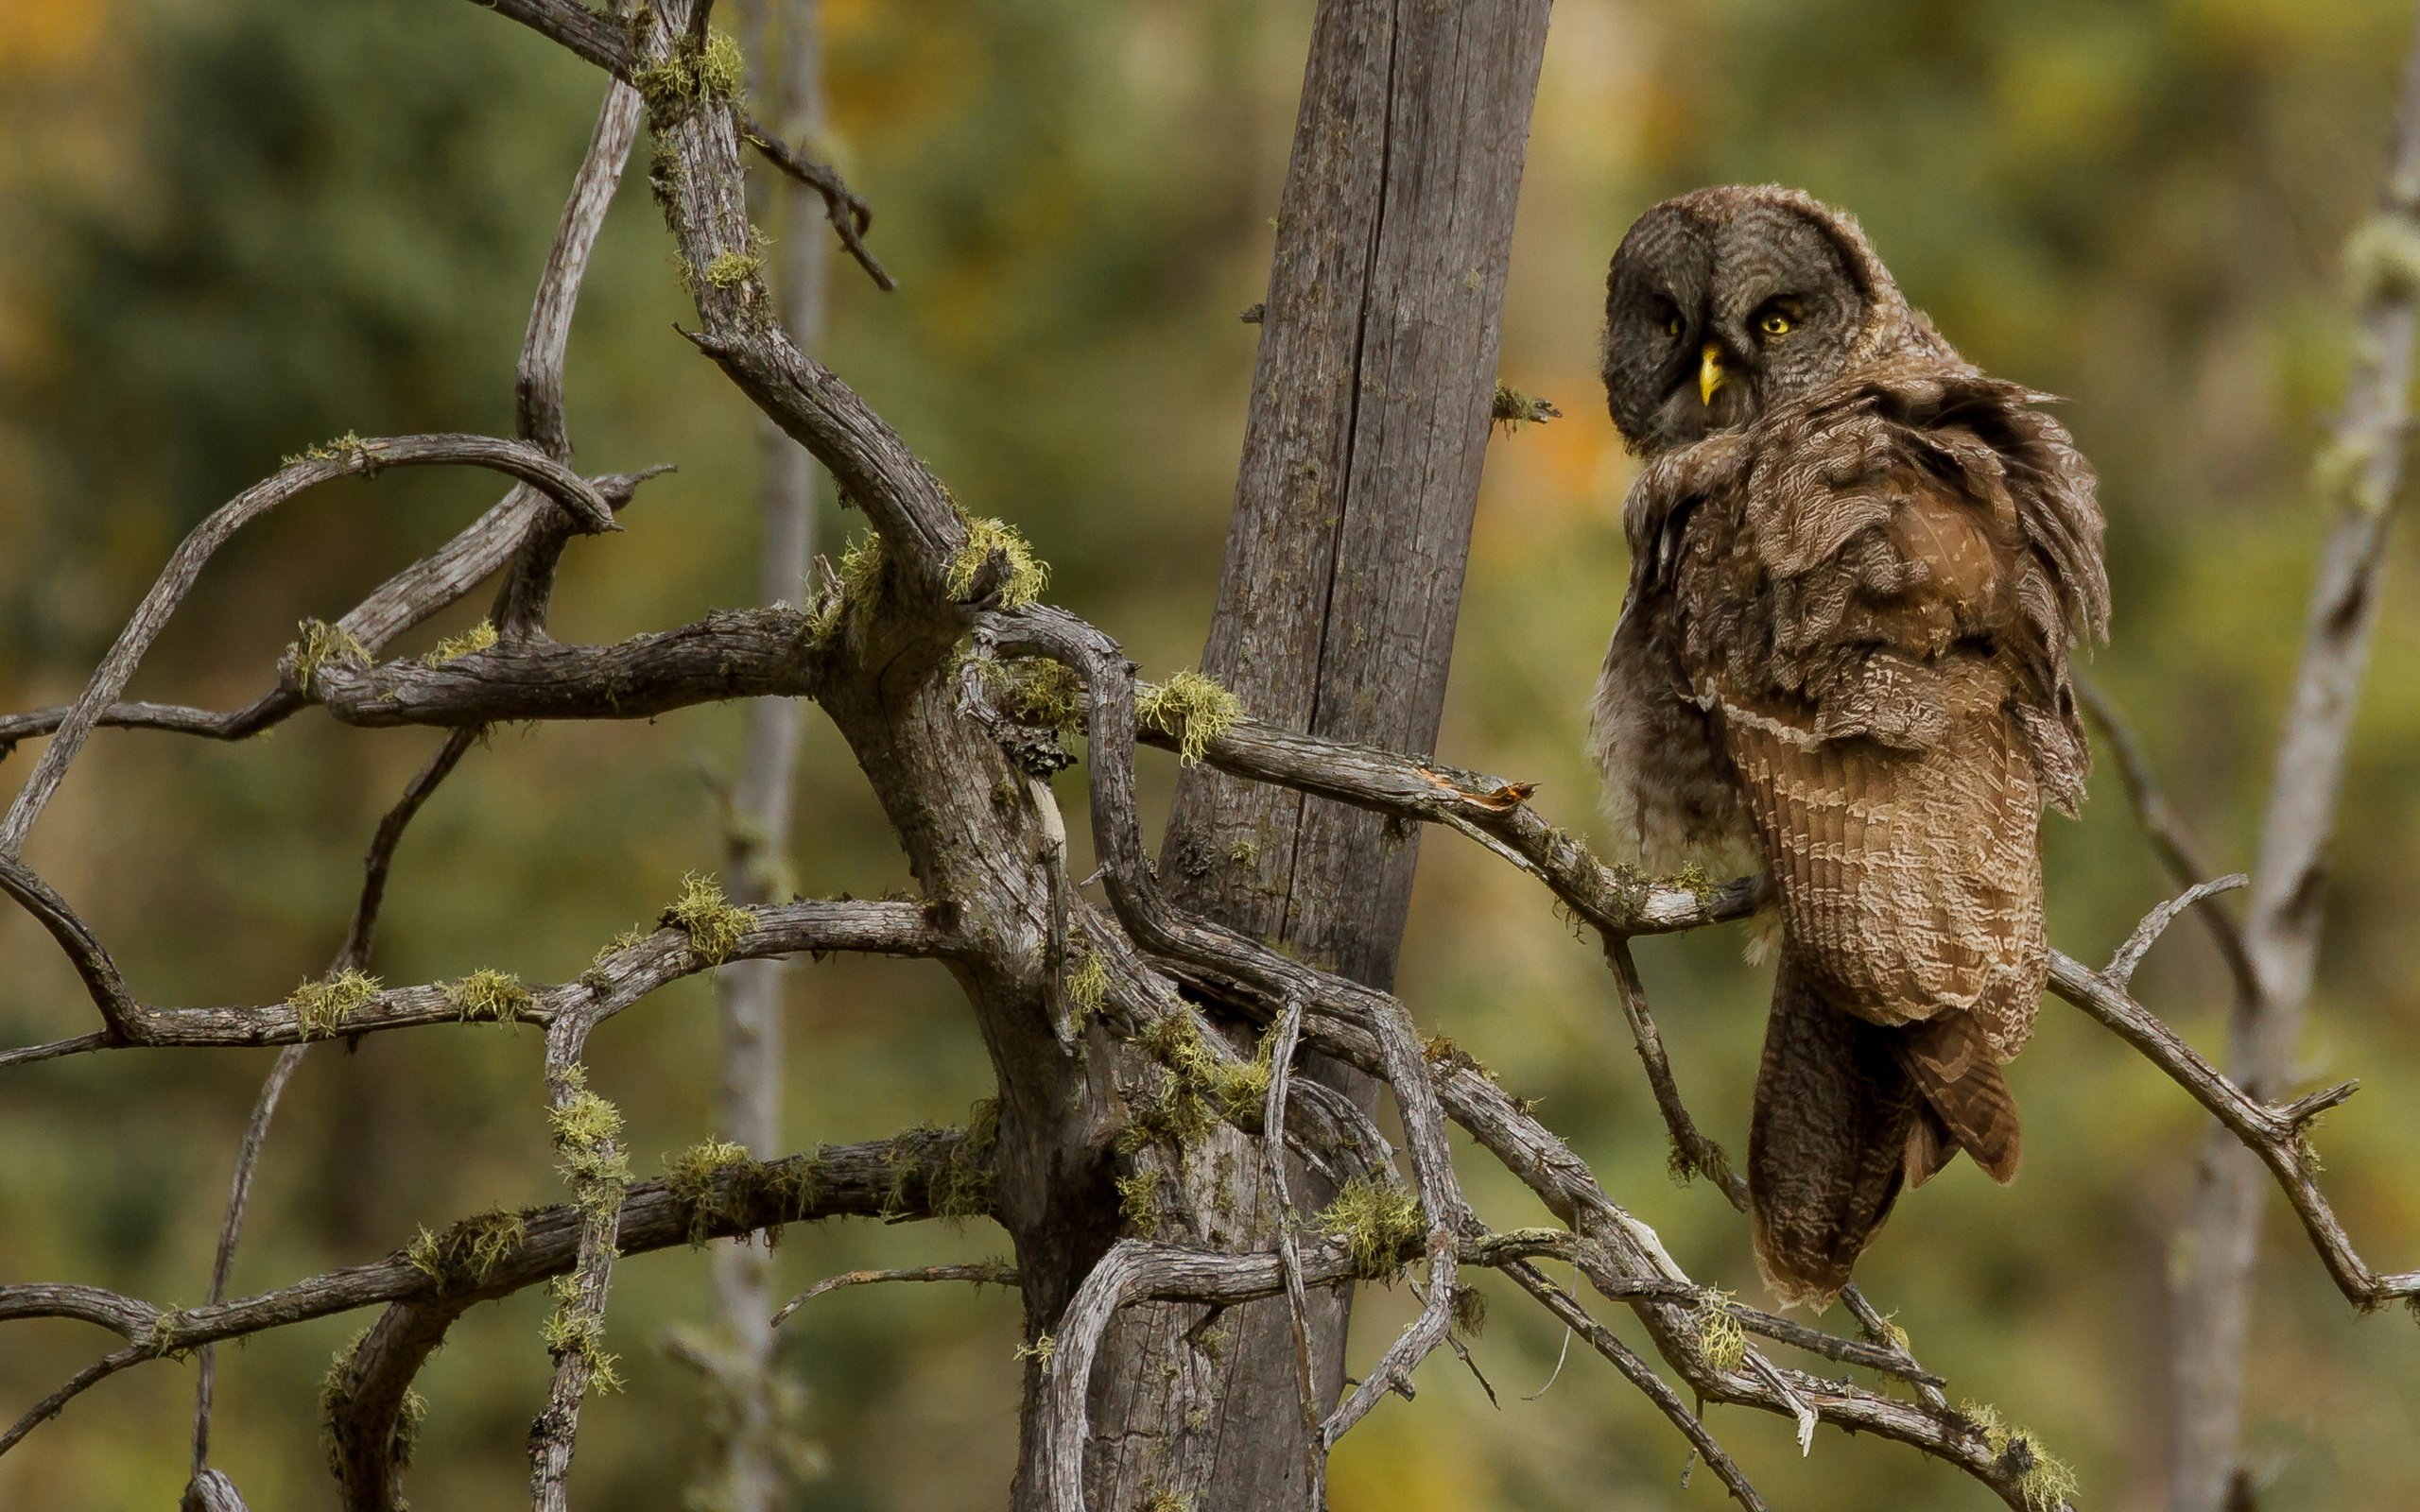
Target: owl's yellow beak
1711,375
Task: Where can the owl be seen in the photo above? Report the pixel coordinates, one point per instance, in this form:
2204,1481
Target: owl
1859,567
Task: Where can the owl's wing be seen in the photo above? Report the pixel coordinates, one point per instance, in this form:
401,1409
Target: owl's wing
1873,733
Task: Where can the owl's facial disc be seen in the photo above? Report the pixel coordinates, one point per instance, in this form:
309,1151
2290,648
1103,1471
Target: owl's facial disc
1713,317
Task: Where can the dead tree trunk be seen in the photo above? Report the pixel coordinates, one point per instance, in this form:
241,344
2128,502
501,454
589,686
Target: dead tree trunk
2218,1244
1370,418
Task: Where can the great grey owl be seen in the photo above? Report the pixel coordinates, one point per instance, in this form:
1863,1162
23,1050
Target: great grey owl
1858,568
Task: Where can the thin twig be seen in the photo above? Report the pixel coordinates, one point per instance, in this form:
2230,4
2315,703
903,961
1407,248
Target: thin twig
1638,1373
350,456
982,1273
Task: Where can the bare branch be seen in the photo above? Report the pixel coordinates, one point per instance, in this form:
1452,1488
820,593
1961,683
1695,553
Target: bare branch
1442,1205
1289,1035
2120,969
588,1136
368,1404
729,654
538,379
1692,1152
82,1381
119,1011
2270,1132
566,488
210,1491
982,1273
1638,1373
2361,471
1615,899
239,1191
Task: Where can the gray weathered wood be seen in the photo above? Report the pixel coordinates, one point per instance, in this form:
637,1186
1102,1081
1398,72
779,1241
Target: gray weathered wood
2220,1245
1337,603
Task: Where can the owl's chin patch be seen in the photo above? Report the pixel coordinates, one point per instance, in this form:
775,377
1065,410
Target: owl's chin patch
1683,418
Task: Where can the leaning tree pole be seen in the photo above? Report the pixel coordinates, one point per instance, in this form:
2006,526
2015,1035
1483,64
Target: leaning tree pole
1371,410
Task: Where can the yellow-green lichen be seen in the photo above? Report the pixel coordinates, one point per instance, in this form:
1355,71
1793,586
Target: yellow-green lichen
335,1394
1190,707
731,269
346,448
574,1328
1378,1220
1138,1200
1161,1499
488,994
321,1006
1197,1088
628,939
166,1334
1696,880
715,70
321,644
1039,1351
956,1186
2043,1480
723,68
1513,410
694,1178
1722,1341
1036,691
466,1254
1087,987
2383,258
962,1189
587,1131
1022,583
856,579
701,912
478,637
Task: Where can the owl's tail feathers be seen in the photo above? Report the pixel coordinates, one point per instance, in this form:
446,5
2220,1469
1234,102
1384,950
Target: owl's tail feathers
1967,1101
1829,1144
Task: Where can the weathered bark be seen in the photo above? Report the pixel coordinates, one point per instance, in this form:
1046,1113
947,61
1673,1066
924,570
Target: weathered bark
1370,419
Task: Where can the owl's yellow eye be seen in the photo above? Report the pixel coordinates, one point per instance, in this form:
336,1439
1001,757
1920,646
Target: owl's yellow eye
1673,326
1776,323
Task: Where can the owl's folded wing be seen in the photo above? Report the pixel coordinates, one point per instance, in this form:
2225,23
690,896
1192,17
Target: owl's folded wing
1880,758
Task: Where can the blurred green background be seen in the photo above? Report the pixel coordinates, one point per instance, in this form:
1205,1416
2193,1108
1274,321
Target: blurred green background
235,227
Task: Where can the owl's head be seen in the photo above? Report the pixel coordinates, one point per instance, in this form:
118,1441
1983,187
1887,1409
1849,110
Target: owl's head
1725,303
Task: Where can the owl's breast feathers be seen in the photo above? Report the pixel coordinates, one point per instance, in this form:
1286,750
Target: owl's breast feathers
1865,604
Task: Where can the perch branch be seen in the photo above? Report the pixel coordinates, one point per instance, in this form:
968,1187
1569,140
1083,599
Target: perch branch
1341,1019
